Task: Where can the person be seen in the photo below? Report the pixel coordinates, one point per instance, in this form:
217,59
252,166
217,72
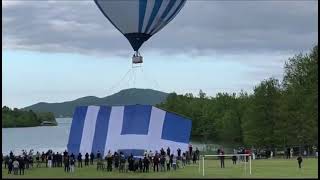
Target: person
10,166
79,159
179,153
66,164
190,149
197,153
162,152
234,159
91,158
168,151
72,156
291,152
194,158
72,162
86,160
6,161
288,153
222,158
299,160
305,153
156,162
49,160
140,165
109,162
171,160
122,162
130,162
42,157
168,162
21,165
145,164
183,160
38,159
15,166
162,163
98,155
116,160
174,162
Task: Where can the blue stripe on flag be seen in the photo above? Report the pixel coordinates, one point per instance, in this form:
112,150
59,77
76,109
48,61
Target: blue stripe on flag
136,119
176,128
165,13
155,10
101,130
142,12
76,129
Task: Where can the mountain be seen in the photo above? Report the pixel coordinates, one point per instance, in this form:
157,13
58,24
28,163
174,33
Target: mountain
123,97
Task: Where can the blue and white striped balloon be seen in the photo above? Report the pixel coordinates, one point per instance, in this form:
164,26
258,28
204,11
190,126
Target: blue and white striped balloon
138,20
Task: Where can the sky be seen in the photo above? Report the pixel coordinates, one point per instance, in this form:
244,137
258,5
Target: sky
57,51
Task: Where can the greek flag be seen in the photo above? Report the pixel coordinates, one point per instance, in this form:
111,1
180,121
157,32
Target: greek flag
130,129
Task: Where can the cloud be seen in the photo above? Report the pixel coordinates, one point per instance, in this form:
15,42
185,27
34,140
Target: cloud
201,28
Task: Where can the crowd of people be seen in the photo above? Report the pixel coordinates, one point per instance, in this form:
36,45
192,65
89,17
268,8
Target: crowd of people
158,161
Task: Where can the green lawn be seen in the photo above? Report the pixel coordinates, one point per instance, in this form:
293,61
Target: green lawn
272,168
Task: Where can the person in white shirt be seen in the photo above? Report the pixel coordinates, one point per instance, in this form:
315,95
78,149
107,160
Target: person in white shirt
174,162
15,167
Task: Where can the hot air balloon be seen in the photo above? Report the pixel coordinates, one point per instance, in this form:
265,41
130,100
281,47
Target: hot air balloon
138,20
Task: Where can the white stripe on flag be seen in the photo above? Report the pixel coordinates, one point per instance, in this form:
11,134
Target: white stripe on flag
89,129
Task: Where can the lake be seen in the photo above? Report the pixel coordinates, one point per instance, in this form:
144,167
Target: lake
43,138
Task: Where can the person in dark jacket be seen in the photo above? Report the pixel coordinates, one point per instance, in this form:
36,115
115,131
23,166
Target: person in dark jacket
6,161
194,158
91,158
72,156
179,153
10,166
98,155
21,165
156,162
234,159
299,160
66,164
171,160
131,162
79,159
116,160
86,160
168,151
43,156
140,165
109,163
145,164
162,152
190,150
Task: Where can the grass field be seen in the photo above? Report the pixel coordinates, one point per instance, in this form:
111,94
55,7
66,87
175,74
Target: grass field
271,168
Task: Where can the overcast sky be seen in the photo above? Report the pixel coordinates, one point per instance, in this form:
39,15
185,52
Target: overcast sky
55,51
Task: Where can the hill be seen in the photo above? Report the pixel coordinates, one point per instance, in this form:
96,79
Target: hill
123,97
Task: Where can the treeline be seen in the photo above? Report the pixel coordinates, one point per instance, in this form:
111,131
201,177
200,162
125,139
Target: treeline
276,114
17,118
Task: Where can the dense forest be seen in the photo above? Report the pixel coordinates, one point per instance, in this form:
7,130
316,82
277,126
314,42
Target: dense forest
17,118
277,113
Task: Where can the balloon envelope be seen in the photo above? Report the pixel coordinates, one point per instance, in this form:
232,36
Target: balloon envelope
138,20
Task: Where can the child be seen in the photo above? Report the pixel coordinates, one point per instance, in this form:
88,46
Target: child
299,160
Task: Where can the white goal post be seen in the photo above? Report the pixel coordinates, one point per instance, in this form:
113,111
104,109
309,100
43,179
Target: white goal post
237,155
